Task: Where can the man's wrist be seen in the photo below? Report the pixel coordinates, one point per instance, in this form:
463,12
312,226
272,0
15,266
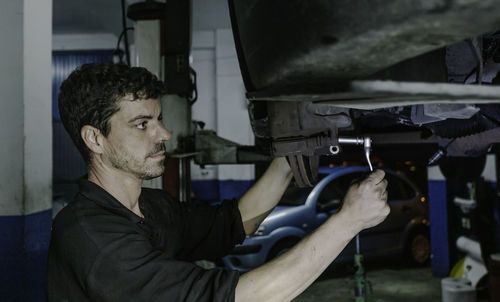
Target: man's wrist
352,223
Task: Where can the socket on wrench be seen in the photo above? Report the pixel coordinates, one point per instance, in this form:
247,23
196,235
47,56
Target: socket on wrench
365,141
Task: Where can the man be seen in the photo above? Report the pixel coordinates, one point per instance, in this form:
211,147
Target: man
119,242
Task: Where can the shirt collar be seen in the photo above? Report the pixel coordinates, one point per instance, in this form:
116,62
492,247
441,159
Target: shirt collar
101,197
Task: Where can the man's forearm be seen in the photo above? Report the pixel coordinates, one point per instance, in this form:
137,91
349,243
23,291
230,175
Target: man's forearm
287,276
263,196
364,206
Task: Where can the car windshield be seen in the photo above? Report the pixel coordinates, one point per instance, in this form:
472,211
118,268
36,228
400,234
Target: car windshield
294,196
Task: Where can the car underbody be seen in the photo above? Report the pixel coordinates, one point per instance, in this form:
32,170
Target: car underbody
316,71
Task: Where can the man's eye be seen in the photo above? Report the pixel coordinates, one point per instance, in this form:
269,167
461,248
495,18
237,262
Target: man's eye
141,126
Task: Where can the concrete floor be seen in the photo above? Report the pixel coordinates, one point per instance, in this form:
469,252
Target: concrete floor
392,280
389,284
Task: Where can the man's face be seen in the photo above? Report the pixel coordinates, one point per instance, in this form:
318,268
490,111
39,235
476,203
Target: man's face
135,143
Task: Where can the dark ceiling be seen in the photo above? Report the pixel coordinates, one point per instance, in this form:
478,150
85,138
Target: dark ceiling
87,16
104,16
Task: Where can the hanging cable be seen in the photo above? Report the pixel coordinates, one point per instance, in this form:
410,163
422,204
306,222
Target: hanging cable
124,32
117,51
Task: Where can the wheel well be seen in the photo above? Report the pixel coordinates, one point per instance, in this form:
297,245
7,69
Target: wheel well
421,228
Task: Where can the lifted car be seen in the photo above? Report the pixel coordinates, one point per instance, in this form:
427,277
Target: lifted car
316,71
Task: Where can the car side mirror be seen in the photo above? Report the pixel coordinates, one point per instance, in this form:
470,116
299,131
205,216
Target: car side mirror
331,204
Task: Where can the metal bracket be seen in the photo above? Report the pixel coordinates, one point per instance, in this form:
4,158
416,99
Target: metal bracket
212,149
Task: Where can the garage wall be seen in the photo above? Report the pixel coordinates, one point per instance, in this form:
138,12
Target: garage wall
210,15
26,153
11,153
222,106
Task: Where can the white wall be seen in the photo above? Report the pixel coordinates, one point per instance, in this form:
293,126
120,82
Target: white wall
37,105
233,122
203,55
11,110
25,112
83,41
210,15
221,103
219,82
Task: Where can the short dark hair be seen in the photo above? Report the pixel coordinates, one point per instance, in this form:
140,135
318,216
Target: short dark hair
91,95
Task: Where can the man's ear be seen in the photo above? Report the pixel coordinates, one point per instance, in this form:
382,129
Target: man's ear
92,138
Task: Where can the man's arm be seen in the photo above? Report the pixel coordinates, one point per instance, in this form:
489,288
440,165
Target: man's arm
263,196
284,278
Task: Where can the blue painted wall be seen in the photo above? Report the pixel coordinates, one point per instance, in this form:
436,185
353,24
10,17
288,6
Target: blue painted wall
212,191
68,164
24,244
12,257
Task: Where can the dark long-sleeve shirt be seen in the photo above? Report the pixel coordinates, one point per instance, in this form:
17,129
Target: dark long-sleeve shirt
102,251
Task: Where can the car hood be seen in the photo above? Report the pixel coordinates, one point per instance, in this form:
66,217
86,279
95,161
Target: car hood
284,215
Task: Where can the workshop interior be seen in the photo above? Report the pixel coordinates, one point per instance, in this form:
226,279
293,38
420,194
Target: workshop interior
339,88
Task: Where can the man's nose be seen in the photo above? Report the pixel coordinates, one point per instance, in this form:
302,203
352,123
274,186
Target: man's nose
163,134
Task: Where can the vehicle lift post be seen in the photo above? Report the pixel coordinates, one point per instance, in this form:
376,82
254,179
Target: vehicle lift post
360,281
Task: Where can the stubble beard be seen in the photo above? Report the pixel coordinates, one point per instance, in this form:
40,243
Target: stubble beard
144,170
158,170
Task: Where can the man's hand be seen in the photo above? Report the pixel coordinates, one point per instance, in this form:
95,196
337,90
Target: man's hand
366,201
285,277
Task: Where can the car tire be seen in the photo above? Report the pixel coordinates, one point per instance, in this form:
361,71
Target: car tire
418,248
462,168
282,247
